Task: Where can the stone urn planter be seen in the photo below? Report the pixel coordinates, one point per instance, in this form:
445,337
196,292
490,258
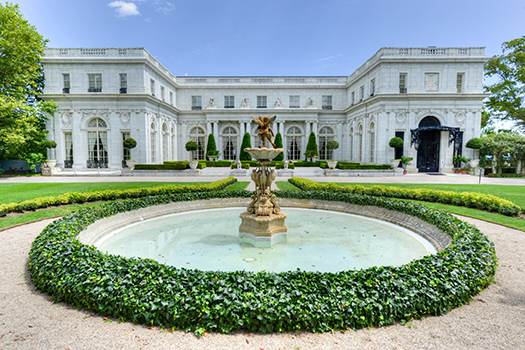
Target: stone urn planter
394,163
474,163
51,163
332,164
130,163
193,164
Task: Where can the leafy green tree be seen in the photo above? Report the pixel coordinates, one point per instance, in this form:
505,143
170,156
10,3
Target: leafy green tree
311,146
507,99
504,146
279,144
211,148
246,143
23,133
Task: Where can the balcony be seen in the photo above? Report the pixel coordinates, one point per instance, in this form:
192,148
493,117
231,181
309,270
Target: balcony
327,108
196,108
65,90
402,90
95,90
123,90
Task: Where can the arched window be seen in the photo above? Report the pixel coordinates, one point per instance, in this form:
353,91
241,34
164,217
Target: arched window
198,135
152,142
173,146
293,143
164,142
229,143
325,134
360,140
97,144
372,142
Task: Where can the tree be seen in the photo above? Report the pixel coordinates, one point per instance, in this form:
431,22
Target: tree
246,143
211,148
507,99
279,144
23,133
504,146
311,147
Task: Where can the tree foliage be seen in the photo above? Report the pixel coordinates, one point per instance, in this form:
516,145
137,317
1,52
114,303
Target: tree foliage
507,99
503,147
211,148
22,114
279,144
246,143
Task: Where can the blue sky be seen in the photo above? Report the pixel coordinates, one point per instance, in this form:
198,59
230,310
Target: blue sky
274,38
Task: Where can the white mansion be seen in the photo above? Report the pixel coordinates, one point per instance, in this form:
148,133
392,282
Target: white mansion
430,97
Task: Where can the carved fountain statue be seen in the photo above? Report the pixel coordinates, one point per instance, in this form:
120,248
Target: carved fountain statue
263,222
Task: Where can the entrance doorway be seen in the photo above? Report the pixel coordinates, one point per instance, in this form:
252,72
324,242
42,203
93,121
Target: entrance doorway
428,151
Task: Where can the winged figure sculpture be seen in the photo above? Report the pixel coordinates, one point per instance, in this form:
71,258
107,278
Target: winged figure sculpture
265,131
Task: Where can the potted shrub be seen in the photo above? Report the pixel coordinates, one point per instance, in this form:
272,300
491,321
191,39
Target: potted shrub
395,143
405,161
461,163
475,144
192,146
311,148
130,143
211,149
332,145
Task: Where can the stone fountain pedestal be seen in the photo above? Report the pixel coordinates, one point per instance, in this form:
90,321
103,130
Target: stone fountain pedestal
263,222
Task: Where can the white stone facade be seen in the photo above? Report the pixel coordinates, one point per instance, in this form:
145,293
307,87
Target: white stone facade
135,96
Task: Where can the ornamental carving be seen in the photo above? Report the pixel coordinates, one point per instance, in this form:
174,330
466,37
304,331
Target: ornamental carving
245,103
460,118
431,82
124,119
400,118
66,120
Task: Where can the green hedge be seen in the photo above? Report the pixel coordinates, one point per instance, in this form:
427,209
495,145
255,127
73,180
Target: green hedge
506,175
168,165
467,199
81,197
319,164
147,292
244,165
358,166
219,163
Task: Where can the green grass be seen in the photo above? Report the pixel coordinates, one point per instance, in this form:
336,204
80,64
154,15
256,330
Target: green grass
18,192
239,185
286,186
41,214
515,194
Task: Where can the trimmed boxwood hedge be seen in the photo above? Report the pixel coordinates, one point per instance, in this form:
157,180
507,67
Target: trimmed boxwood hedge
144,291
468,199
93,196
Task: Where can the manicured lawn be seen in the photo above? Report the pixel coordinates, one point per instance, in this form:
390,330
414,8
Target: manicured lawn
239,185
515,194
18,192
286,186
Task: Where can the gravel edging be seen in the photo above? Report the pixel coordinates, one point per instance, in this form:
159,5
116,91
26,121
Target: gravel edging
30,320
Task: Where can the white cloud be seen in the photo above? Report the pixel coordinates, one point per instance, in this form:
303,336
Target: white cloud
164,6
124,9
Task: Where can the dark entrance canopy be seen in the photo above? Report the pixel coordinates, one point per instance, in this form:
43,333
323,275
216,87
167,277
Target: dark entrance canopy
455,134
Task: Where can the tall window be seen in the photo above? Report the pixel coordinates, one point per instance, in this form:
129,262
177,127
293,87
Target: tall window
68,138
229,101
196,103
152,86
261,102
399,151
352,98
351,144
360,141
165,137
198,135
372,87
372,142
152,142
173,145
171,98
97,144
402,83
325,134
123,83
295,101
126,152
327,102
95,82
67,83
162,93
229,143
459,83
361,93
293,143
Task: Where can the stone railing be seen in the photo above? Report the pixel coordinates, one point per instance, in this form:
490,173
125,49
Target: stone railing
262,80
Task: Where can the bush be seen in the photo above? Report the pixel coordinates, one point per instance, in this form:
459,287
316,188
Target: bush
311,146
246,143
279,144
396,142
129,143
219,163
192,146
211,147
474,143
144,291
490,202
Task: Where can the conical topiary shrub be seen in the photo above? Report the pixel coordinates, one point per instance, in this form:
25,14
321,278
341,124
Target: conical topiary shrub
311,147
246,143
211,148
279,144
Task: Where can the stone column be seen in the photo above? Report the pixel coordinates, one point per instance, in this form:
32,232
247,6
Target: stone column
174,146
